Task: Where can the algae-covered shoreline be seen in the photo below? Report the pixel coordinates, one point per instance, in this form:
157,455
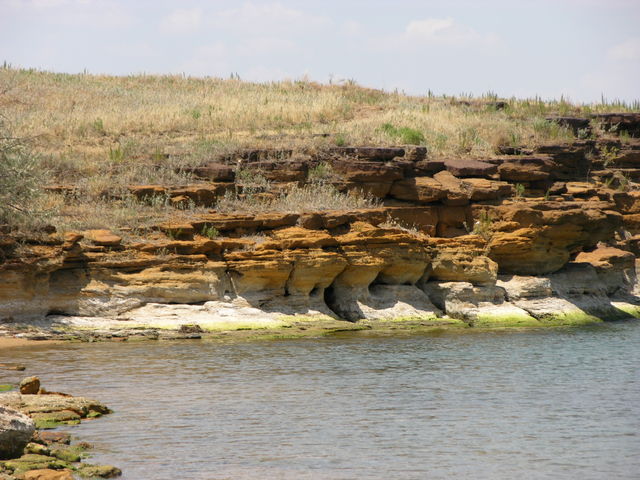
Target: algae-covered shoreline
292,328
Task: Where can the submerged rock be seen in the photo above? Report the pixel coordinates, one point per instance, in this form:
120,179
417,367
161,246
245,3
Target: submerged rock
48,438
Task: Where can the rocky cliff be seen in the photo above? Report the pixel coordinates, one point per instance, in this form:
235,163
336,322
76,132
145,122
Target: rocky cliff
526,237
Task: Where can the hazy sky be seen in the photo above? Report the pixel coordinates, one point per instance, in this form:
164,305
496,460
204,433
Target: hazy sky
580,48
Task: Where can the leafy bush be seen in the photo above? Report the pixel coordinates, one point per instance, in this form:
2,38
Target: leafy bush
21,178
406,135
321,173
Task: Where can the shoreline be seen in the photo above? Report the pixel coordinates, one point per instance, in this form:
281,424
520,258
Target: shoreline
15,342
299,330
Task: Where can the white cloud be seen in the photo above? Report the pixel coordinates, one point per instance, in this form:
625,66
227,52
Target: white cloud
352,28
182,21
265,45
37,4
445,31
75,13
259,18
211,60
627,50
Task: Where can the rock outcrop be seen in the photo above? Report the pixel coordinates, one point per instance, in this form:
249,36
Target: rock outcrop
16,429
525,236
27,451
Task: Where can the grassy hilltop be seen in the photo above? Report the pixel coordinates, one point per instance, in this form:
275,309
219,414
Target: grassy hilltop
103,133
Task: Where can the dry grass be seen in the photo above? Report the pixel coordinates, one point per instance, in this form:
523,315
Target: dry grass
103,133
79,119
313,197
126,215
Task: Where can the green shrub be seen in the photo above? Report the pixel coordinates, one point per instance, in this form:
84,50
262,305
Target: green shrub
321,173
340,140
519,190
21,178
406,135
210,231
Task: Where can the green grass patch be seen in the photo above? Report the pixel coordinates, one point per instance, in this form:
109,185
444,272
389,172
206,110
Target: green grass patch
405,135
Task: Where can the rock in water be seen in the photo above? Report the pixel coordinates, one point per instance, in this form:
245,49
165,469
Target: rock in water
16,430
30,386
48,474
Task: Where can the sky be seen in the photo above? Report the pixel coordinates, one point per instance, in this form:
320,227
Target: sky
580,49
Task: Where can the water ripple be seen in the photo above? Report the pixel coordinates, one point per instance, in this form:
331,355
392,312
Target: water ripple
559,404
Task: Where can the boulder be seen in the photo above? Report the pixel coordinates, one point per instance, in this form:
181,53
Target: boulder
102,471
262,272
418,189
30,385
48,438
581,189
71,239
526,169
360,171
48,474
570,160
415,154
469,168
51,403
216,172
202,194
615,268
142,192
482,189
428,167
16,429
457,193
105,238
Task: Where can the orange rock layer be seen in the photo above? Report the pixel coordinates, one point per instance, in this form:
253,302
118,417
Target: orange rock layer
445,229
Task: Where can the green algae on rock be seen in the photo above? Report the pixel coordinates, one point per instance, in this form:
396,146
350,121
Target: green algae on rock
51,451
101,471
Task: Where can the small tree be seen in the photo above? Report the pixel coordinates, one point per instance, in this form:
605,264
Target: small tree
21,179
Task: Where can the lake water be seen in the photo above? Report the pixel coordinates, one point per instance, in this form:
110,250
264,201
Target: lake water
556,404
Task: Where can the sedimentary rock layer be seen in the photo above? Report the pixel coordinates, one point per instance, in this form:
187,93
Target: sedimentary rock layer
522,238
